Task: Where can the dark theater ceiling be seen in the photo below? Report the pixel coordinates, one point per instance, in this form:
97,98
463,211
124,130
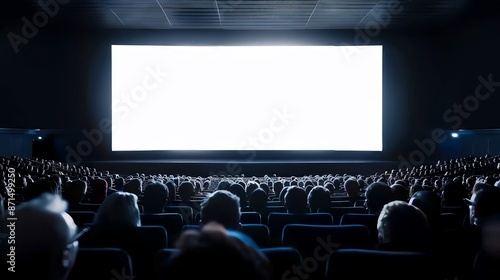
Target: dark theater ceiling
243,14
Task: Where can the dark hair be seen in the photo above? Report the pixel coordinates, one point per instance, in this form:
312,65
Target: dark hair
296,200
222,207
208,254
155,197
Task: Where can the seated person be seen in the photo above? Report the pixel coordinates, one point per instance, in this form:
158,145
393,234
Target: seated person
222,207
403,227
45,244
296,200
319,199
216,255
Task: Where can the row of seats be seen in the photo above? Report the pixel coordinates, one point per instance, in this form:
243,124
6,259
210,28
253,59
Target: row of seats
174,223
287,263
314,241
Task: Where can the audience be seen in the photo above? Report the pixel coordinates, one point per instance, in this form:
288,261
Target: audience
405,223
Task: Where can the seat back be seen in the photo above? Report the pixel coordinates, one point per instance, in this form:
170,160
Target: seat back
82,217
316,242
171,222
351,264
185,211
282,260
277,221
368,220
101,263
338,212
141,243
250,218
161,262
341,203
258,232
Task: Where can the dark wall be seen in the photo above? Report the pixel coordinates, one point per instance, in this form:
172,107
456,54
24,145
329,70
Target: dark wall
61,80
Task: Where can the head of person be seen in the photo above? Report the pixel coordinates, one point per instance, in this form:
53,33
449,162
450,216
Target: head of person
453,194
296,200
155,197
278,186
430,203
118,210
99,189
40,186
215,253
239,191
258,199
222,207
377,195
404,226
46,240
75,191
319,199
134,186
351,187
484,204
399,192
250,187
186,190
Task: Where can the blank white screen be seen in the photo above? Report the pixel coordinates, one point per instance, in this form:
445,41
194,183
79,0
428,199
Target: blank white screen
246,98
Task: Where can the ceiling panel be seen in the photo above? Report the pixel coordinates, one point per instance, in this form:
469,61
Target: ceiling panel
242,14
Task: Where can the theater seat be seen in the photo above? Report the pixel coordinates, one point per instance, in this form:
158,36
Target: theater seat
282,259
141,243
348,264
102,263
171,222
316,242
82,217
277,221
